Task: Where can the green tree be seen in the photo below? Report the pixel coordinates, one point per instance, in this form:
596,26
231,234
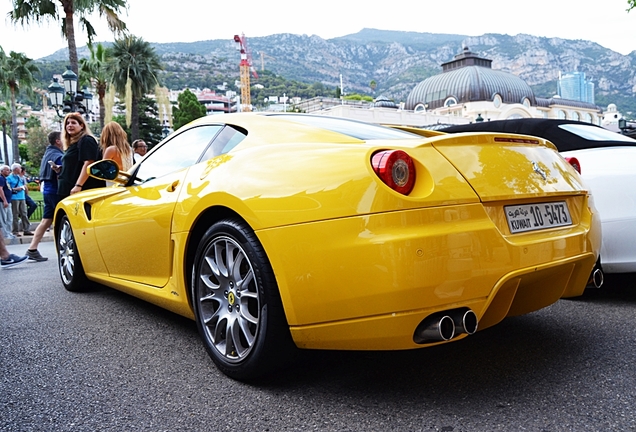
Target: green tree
95,72
16,75
189,108
36,145
134,69
149,125
26,11
358,97
24,154
32,122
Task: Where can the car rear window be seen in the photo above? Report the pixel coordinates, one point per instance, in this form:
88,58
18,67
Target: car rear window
352,128
593,133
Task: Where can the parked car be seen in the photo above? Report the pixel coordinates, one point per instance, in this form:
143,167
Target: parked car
607,163
284,231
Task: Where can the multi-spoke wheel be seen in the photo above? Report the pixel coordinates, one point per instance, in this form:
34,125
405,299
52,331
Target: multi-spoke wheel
68,259
237,304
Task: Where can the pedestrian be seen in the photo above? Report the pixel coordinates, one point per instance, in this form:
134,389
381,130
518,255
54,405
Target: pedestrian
17,183
50,166
114,144
7,259
31,205
81,150
6,215
139,148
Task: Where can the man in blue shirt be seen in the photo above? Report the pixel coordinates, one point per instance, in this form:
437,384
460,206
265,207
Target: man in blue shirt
49,168
17,183
7,260
6,215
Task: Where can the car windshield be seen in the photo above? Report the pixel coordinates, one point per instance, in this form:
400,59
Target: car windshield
593,133
352,128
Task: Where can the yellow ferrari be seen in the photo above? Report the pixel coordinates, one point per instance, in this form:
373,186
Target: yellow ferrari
283,231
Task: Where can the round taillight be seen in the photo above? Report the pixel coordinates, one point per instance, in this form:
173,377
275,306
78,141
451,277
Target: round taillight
575,163
396,169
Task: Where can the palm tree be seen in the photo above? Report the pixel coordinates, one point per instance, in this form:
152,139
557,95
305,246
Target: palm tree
134,68
26,11
95,71
16,74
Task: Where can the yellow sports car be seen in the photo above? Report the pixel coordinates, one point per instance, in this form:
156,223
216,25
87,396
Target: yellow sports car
277,231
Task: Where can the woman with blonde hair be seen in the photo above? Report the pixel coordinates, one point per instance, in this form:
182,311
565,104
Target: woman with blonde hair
114,143
81,150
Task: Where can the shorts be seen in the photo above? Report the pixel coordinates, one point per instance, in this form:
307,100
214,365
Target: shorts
50,202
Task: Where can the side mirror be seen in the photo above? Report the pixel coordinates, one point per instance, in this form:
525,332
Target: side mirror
107,169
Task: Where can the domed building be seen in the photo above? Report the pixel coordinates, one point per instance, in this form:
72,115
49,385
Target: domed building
468,87
384,102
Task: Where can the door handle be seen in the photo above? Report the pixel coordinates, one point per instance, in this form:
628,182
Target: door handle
173,186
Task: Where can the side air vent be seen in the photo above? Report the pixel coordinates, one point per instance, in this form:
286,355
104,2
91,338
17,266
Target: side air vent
87,210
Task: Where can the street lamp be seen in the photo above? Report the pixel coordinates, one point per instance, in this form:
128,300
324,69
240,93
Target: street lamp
77,101
88,101
70,81
56,94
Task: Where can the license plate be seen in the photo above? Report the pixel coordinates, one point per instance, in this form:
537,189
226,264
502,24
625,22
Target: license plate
531,217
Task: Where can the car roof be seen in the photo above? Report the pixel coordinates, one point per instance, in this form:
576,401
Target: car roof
560,132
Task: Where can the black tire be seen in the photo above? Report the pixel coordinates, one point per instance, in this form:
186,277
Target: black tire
68,259
237,305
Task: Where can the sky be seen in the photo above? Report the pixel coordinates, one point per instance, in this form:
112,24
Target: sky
605,22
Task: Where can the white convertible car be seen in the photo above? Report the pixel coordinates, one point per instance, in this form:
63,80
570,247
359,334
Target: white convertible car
607,163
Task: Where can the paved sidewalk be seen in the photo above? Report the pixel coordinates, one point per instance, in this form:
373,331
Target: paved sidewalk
47,237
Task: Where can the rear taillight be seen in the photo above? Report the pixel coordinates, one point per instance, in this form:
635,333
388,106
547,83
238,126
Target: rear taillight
396,169
575,163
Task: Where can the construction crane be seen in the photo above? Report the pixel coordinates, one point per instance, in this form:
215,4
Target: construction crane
245,68
263,55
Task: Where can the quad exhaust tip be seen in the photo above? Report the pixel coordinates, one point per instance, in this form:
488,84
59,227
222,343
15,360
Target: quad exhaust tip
445,325
596,278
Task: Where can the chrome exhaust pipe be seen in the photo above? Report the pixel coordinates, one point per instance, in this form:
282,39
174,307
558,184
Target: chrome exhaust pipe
596,278
434,328
465,321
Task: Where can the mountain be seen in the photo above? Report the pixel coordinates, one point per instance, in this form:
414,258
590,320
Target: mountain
397,61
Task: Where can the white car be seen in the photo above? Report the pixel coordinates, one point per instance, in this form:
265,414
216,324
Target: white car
607,163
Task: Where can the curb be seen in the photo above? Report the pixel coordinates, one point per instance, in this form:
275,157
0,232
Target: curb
47,237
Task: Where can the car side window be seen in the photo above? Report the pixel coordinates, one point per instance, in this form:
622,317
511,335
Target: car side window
225,141
180,151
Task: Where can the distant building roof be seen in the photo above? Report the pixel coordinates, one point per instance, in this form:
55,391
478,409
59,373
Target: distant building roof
469,78
548,102
384,102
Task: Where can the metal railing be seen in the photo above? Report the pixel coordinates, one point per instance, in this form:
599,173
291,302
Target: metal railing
36,216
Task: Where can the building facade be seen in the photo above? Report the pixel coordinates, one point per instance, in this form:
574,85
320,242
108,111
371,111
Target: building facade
469,88
575,86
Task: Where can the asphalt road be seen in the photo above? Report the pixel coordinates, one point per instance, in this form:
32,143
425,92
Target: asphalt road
104,361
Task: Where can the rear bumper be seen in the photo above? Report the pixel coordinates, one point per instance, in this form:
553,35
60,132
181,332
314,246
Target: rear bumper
517,293
366,282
